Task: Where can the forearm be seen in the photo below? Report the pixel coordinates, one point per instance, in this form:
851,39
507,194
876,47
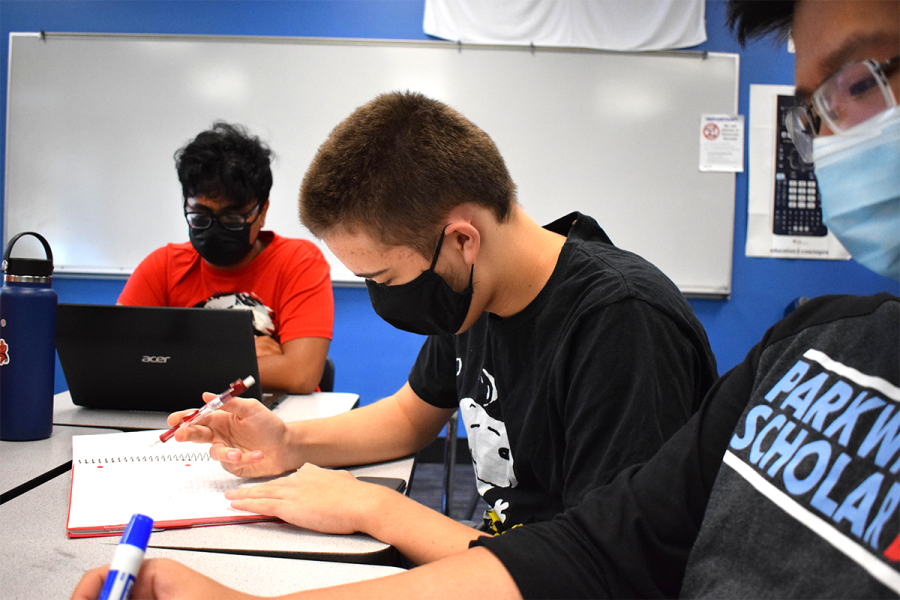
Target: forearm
278,372
473,574
295,366
381,431
421,534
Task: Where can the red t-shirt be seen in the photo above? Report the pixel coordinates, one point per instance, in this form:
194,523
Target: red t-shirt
288,286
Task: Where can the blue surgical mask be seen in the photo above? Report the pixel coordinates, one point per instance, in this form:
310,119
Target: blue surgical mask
859,178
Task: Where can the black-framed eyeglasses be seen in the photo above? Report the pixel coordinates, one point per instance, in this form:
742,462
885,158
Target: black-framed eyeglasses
229,220
854,94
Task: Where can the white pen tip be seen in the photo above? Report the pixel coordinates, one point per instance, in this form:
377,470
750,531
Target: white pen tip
156,443
249,381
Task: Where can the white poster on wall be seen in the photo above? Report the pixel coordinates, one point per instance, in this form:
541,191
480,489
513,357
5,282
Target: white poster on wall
722,143
784,208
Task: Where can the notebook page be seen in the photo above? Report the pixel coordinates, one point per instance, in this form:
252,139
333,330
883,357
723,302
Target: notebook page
116,475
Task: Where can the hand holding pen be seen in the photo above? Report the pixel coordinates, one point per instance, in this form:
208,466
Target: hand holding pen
248,439
127,560
236,388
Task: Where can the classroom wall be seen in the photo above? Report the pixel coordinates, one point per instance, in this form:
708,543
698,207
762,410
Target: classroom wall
372,358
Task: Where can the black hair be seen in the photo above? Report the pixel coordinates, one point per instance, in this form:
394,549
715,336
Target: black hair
756,18
225,163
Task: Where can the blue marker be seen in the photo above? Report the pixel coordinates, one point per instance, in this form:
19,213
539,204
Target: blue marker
127,561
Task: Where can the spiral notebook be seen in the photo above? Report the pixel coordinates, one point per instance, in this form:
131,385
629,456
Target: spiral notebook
178,485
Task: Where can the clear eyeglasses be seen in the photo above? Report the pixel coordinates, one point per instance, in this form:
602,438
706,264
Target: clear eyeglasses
856,93
229,220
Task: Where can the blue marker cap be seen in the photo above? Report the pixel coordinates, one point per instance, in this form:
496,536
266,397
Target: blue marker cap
138,531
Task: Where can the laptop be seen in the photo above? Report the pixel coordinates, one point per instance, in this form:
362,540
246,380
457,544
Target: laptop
153,358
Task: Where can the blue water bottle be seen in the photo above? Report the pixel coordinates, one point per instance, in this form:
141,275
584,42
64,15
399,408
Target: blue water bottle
27,345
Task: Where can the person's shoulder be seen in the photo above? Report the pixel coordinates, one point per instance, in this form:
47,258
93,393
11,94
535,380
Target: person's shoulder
830,308
617,274
172,252
293,254
595,248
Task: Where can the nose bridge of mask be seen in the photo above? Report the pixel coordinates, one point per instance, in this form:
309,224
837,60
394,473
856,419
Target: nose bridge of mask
855,171
878,130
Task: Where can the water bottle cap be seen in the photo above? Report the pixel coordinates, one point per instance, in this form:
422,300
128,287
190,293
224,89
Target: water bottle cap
33,267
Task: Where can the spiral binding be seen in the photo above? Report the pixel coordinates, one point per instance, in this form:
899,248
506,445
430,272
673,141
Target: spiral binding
180,457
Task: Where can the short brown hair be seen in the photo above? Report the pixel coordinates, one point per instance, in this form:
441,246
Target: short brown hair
397,166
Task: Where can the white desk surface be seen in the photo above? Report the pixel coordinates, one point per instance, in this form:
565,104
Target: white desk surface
292,408
285,540
38,561
22,462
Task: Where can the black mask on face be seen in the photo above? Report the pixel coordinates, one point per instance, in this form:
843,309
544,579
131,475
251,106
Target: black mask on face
426,305
219,246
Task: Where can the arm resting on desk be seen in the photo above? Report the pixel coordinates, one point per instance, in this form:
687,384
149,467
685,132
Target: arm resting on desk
336,502
475,573
294,366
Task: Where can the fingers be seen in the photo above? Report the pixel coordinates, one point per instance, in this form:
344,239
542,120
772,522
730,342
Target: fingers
270,507
176,417
225,454
241,407
244,408
270,489
91,584
199,434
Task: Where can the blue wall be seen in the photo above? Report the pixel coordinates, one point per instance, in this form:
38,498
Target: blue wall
372,358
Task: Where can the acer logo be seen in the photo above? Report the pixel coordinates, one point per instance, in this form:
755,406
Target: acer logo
155,359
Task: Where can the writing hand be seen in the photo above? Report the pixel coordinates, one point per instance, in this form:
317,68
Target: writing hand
247,438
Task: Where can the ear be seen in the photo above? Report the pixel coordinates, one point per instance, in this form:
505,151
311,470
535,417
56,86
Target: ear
262,213
463,238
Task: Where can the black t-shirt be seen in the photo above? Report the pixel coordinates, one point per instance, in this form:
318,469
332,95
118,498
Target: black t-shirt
603,366
784,484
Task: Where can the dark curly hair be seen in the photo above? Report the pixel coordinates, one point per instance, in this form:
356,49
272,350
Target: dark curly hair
225,163
397,166
756,18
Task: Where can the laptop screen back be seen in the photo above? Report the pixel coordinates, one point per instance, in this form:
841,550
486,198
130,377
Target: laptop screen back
153,358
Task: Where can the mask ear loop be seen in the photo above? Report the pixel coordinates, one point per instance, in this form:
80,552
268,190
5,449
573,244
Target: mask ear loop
438,251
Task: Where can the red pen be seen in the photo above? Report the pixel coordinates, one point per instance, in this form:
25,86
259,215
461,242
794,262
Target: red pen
236,388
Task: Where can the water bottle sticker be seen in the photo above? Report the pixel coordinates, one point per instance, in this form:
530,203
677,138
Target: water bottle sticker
4,352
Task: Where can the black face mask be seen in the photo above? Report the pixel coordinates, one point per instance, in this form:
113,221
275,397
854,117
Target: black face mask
222,247
426,305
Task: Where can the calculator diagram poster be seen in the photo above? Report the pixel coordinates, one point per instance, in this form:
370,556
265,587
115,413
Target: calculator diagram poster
784,210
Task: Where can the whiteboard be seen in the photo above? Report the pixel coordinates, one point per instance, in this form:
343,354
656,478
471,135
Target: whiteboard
93,122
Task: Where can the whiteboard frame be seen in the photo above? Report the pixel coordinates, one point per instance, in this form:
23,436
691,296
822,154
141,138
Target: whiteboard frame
506,130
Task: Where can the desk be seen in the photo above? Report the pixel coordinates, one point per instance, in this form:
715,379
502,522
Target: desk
292,408
267,539
24,465
38,561
289,541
